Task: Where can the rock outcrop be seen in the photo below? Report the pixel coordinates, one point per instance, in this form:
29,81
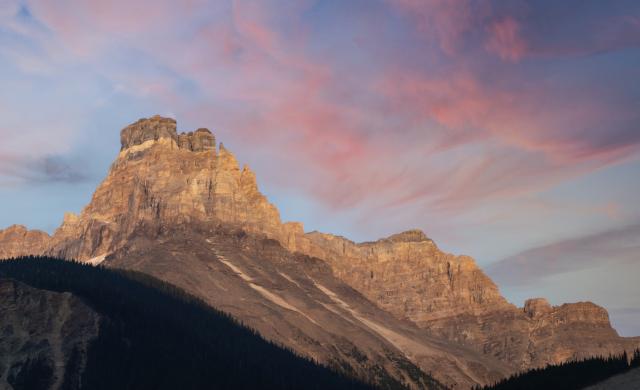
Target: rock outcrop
157,127
534,308
451,298
407,275
160,178
45,337
168,195
556,332
17,241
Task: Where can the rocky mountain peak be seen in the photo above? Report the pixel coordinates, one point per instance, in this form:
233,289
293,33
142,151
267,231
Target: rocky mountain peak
148,129
70,217
157,128
17,240
160,179
16,229
413,235
582,312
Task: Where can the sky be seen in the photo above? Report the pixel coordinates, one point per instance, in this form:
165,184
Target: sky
506,130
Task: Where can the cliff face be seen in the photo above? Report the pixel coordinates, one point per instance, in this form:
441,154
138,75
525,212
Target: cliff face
45,336
161,178
17,241
409,276
559,330
451,298
164,185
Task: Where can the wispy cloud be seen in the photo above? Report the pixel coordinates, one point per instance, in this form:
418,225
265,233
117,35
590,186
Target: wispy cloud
262,71
612,247
522,29
49,169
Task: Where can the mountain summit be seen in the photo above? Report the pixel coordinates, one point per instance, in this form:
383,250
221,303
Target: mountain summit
177,207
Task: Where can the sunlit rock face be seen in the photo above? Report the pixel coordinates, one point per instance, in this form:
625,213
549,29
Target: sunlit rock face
17,241
573,331
536,307
171,195
162,178
451,298
157,127
409,276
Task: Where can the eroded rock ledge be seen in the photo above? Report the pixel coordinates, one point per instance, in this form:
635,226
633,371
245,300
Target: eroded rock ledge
17,240
157,127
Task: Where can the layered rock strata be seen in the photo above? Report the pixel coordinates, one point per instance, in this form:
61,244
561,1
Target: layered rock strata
159,178
16,241
451,298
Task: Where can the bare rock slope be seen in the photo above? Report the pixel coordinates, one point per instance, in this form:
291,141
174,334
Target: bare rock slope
44,337
175,206
450,297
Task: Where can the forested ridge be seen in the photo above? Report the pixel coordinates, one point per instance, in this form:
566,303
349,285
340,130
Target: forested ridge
570,375
156,336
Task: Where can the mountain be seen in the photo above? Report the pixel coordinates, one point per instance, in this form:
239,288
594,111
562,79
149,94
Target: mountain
18,241
176,207
451,298
72,326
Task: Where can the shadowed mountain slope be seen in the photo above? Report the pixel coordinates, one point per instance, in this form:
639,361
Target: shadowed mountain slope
124,330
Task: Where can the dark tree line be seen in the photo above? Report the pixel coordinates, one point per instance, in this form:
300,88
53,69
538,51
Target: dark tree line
570,375
156,336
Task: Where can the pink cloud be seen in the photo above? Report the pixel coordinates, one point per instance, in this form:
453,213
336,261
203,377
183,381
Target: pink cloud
529,117
339,144
505,40
89,27
399,132
446,22
247,21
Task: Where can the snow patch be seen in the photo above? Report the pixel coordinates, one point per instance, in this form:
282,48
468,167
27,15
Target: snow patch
96,260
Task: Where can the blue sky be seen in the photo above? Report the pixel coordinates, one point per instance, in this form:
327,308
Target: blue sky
505,130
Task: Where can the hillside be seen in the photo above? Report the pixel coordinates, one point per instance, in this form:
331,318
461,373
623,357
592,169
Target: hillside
152,336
